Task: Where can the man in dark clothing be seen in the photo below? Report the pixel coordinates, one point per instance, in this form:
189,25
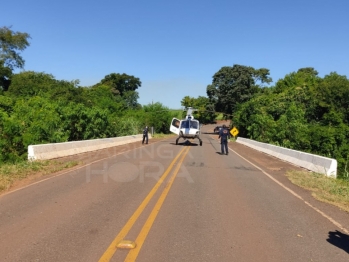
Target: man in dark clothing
145,135
224,135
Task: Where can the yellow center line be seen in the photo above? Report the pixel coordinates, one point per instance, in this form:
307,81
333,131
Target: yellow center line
132,255
108,254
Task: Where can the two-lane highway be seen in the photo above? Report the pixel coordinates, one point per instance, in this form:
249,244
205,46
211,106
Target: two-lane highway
176,203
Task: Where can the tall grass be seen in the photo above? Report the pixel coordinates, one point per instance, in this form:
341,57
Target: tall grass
11,173
326,189
161,135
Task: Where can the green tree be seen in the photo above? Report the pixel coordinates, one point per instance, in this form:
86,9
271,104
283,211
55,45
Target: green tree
82,122
308,70
5,76
30,121
30,83
205,112
303,112
101,96
158,116
11,141
121,83
123,86
130,98
6,103
212,94
332,94
126,125
303,78
232,86
187,101
11,43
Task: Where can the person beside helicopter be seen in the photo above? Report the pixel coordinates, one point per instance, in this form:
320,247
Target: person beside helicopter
145,135
224,136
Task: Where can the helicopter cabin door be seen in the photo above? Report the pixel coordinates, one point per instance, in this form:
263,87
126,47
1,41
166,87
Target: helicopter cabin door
174,128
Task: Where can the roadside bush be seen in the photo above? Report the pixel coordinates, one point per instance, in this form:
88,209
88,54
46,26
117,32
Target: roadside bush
81,122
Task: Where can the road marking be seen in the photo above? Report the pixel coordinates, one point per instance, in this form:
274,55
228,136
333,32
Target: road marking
132,255
126,244
108,254
296,195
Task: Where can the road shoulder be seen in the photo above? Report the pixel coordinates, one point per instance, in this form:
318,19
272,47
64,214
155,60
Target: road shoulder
277,169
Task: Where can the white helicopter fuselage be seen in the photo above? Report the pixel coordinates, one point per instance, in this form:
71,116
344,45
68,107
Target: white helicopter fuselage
188,128
189,132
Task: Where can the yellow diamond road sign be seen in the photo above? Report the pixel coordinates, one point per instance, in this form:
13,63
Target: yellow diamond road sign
234,131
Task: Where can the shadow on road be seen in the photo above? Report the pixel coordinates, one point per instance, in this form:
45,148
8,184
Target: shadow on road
220,153
339,240
186,143
210,133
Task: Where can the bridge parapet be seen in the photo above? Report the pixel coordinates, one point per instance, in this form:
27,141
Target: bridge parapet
57,150
315,163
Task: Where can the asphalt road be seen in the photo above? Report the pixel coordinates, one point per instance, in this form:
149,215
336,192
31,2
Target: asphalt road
175,203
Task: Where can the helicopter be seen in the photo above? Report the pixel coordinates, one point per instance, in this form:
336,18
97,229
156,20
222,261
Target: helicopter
188,128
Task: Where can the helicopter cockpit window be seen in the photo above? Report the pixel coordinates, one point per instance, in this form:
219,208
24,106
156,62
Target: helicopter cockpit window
193,124
185,124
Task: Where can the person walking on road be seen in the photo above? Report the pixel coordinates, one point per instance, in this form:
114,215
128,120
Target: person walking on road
145,135
224,135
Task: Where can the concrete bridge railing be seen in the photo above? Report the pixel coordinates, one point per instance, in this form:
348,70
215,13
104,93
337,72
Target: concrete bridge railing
315,163
56,150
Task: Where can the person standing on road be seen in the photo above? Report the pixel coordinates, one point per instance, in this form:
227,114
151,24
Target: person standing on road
224,135
145,135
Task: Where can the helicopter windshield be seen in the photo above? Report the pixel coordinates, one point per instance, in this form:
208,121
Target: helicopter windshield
185,124
193,124
189,124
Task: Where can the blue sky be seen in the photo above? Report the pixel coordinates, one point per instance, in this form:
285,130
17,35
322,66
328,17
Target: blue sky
175,47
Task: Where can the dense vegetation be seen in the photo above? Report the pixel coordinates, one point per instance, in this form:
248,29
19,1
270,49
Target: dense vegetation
39,109
36,108
302,111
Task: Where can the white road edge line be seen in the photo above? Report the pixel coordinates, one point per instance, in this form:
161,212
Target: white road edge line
296,195
71,170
